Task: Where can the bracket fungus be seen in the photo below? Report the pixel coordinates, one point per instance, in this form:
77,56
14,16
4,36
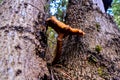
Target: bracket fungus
62,30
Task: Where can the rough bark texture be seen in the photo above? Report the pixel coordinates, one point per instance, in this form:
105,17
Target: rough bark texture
22,40
96,56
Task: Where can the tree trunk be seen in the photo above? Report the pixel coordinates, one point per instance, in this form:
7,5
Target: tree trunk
95,56
22,40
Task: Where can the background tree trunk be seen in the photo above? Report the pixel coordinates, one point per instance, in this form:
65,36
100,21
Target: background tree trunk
22,40
96,56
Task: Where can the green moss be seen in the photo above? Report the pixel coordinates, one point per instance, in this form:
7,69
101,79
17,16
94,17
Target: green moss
98,48
98,27
101,72
92,59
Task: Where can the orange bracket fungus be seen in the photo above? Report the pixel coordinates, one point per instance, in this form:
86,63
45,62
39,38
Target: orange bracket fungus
62,30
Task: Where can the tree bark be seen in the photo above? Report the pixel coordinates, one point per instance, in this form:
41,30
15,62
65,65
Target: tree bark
96,56
22,40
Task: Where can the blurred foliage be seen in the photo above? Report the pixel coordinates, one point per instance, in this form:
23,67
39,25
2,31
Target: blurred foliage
116,11
58,9
0,1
